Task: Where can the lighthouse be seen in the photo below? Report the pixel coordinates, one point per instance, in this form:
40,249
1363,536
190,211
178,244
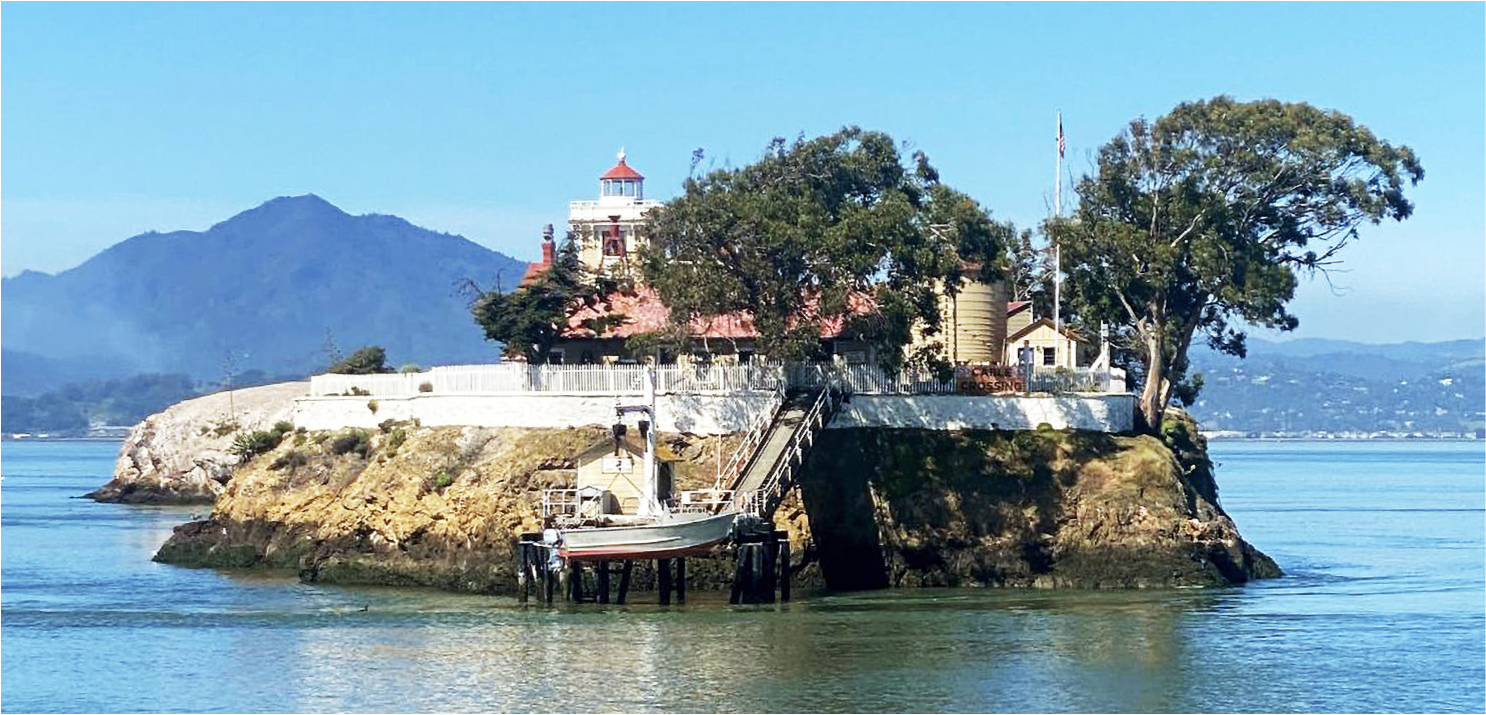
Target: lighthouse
610,229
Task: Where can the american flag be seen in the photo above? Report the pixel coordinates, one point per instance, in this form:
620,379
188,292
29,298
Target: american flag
1062,144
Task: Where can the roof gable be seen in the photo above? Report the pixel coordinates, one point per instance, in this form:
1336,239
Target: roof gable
1036,325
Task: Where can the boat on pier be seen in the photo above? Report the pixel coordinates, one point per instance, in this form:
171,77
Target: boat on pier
608,518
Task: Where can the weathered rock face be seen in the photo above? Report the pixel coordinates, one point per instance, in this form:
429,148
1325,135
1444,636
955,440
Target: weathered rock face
182,455
896,508
435,506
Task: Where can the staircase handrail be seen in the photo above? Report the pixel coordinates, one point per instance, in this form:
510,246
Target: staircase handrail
745,450
757,501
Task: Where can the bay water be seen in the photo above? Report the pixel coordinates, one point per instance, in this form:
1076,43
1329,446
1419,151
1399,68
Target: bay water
1383,609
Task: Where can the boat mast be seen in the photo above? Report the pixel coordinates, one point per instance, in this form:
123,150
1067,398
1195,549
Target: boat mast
650,505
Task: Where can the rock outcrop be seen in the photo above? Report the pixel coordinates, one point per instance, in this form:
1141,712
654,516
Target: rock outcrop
407,505
1047,508
876,508
183,455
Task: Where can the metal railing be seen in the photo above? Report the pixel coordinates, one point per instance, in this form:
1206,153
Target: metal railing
759,426
506,378
559,502
704,500
760,502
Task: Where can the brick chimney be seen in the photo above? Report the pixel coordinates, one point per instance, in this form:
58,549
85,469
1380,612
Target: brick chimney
549,249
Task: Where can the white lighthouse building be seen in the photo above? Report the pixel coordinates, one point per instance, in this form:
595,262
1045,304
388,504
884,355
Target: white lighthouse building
610,229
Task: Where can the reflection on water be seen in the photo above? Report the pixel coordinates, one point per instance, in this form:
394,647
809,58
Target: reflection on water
1382,612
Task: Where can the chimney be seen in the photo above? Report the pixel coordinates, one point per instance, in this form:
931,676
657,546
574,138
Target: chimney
549,249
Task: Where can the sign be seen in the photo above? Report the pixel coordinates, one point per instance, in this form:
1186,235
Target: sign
617,465
989,380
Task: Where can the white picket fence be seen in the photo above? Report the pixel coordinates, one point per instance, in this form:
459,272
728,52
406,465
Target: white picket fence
582,379
714,378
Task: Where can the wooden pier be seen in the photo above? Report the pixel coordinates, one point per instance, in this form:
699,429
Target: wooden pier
588,581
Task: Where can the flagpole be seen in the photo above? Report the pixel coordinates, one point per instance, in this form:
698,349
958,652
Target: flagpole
1057,249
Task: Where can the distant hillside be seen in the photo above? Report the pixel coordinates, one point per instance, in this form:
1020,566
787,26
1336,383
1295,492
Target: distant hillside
272,286
29,374
1340,387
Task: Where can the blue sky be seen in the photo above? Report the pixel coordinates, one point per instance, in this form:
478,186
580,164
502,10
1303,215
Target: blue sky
486,119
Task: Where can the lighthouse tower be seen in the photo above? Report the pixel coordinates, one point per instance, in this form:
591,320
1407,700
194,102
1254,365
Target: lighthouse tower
610,229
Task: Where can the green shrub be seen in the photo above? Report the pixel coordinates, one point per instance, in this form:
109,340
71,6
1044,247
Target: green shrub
395,440
356,440
372,405
442,480
293,459
247,445
410,367
369,360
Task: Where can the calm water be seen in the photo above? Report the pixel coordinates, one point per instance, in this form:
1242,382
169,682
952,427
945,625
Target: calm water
1384,610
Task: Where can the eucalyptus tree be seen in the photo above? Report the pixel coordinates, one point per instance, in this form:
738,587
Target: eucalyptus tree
835,228
1199,223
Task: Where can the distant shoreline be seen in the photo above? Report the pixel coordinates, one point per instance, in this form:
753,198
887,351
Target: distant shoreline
8,438
1345,439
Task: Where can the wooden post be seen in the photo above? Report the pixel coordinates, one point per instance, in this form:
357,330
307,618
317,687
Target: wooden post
575,579
739,559
624,582
603,567
681,580
522,584
784,575
768,555
663,575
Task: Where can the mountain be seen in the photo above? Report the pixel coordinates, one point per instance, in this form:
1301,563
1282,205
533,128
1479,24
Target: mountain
274,287
1343,387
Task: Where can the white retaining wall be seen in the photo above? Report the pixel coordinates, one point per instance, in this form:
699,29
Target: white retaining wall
719,413
1102,413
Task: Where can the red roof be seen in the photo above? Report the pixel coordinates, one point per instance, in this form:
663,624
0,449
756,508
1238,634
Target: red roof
644,313
533,270
1016,305
621,171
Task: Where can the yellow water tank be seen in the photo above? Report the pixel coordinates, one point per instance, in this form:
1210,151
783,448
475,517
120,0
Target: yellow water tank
978,316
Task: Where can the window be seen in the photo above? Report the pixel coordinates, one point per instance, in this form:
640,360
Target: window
1049,356
555,357
855,357
613,245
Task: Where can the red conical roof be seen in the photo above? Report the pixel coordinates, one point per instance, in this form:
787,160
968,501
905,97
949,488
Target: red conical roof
621,171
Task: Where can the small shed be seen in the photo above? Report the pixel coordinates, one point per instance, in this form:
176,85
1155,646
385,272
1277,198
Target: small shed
615,467
1048,347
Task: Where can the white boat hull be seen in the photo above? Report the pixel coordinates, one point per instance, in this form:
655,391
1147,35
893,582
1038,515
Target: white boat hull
675,535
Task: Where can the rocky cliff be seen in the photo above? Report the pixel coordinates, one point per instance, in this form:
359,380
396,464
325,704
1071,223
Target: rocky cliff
183,455
876,508
406,505
1046,508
